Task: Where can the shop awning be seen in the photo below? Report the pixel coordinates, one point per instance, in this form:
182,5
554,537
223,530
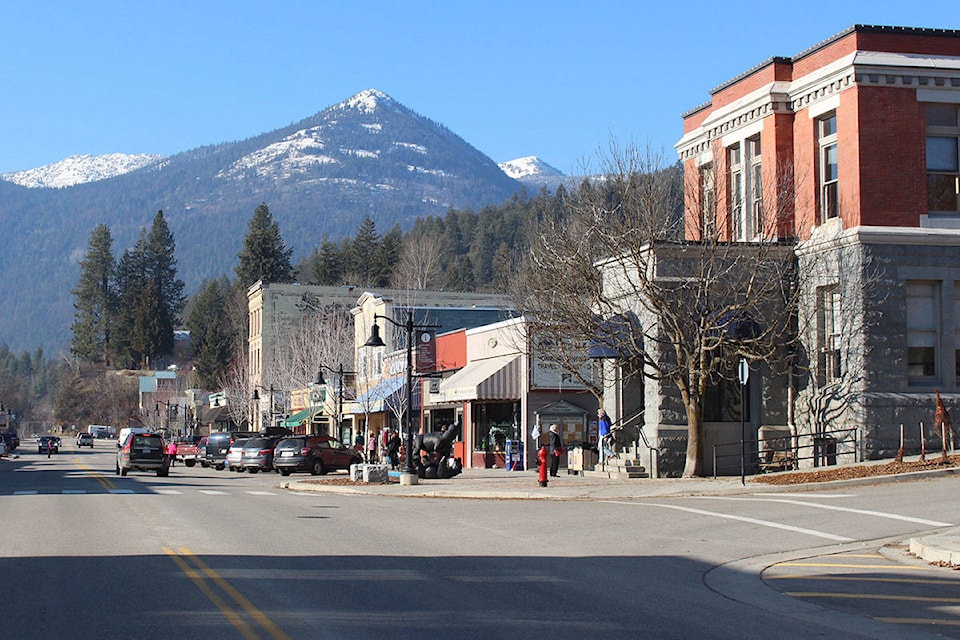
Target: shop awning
373,400
300,417
491,379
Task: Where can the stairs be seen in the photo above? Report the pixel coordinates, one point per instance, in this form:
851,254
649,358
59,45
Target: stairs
618,469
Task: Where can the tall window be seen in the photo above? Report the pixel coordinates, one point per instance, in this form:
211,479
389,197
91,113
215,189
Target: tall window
828,161
830,334
746,189
735,165
943,158
922,332
708,203
756,188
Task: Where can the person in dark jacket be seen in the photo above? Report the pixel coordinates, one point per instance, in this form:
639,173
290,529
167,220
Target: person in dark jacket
393,449
556,449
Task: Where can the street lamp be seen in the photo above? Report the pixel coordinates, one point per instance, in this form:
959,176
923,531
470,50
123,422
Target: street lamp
256,399
340,373
376,341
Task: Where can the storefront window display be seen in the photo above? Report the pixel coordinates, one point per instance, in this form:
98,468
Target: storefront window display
493,425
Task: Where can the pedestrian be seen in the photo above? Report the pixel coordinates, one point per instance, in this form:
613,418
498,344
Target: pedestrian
603,432
172,452
556,449
372,448
393,450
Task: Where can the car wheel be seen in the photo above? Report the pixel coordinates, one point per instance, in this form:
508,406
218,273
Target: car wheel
163,473
316,469
190,463
219,467
123,471
118,468
252,470
284,472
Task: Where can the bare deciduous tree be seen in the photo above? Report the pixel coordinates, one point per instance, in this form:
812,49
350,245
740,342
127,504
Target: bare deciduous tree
617,248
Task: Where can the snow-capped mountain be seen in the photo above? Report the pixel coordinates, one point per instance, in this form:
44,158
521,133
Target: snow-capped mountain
534,172
80,169
368,155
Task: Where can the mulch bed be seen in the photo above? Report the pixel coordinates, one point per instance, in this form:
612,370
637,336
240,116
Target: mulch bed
863,471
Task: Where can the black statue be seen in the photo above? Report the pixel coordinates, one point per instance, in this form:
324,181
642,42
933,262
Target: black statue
438,447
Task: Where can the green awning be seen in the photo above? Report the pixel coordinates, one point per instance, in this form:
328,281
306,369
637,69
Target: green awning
299,417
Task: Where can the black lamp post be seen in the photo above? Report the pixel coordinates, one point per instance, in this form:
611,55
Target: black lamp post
256,399
376,341
340,373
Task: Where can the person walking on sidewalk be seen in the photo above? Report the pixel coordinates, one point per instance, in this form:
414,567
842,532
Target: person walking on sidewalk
556,450
603,430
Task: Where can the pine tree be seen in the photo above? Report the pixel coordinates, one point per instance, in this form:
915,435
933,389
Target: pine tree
363,254
210,334
264,255
96,300
160,267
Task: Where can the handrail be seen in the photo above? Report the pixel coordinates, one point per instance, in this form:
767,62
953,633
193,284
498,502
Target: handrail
790,452
622,423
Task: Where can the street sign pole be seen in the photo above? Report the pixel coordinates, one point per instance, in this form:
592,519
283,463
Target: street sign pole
743,374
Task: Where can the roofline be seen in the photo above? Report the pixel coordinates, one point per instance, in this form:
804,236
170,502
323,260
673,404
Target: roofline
857,28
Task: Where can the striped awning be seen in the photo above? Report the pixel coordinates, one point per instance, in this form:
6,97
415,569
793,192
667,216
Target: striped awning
490,379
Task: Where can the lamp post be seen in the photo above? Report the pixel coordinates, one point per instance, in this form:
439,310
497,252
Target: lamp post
340,373
408,475
256,399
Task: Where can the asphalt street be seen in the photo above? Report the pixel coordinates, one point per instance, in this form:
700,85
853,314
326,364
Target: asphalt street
86,554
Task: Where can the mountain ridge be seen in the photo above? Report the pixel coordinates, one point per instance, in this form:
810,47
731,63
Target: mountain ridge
367,155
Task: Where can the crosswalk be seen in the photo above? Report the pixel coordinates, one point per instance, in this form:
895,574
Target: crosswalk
139,490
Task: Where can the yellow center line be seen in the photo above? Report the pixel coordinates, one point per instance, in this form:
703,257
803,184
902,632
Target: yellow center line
941,581
105,482
238,623
838,565
262,619
948,623
870,596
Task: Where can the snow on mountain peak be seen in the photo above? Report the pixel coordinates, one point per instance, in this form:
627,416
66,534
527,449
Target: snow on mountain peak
366,101
80,169
528,167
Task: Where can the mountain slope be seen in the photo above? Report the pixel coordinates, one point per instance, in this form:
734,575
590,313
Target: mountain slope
80,169
320,177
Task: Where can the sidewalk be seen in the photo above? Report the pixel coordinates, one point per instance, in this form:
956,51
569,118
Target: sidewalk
500,484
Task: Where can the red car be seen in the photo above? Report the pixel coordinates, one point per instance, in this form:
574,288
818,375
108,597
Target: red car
316,454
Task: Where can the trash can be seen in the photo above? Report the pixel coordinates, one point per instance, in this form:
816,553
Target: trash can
514,455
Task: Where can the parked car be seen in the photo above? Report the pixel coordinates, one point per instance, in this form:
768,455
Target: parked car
202,452
143,452
315,454
217,445
234,460
48,444
11,439
84,440
258,454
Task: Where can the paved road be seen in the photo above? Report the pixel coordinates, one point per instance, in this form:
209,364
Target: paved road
205,554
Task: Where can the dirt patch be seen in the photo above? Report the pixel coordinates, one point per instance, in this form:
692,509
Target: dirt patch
859,471
346,481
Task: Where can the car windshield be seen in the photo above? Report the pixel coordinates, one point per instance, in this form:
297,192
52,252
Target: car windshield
259,443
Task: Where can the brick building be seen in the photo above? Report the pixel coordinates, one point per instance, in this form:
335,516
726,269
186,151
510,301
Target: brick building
851,149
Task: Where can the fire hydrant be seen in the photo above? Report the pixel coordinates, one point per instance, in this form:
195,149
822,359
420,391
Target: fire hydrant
542,463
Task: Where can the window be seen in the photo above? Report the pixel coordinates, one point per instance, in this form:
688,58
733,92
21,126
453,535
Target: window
829,167
830,334
943,158
922,332
708,208
746,189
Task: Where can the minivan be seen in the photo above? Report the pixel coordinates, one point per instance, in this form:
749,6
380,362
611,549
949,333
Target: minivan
218,443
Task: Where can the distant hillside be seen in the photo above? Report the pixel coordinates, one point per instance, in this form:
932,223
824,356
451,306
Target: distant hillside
320,177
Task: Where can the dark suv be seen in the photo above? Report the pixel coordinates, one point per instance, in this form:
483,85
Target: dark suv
144,452
12,440
316,454
218,443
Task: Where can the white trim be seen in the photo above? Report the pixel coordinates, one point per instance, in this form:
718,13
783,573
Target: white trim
824,106
938,95
752,129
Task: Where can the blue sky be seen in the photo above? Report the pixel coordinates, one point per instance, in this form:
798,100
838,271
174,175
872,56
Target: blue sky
556,79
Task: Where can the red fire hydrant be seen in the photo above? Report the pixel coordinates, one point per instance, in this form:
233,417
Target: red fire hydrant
542,463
